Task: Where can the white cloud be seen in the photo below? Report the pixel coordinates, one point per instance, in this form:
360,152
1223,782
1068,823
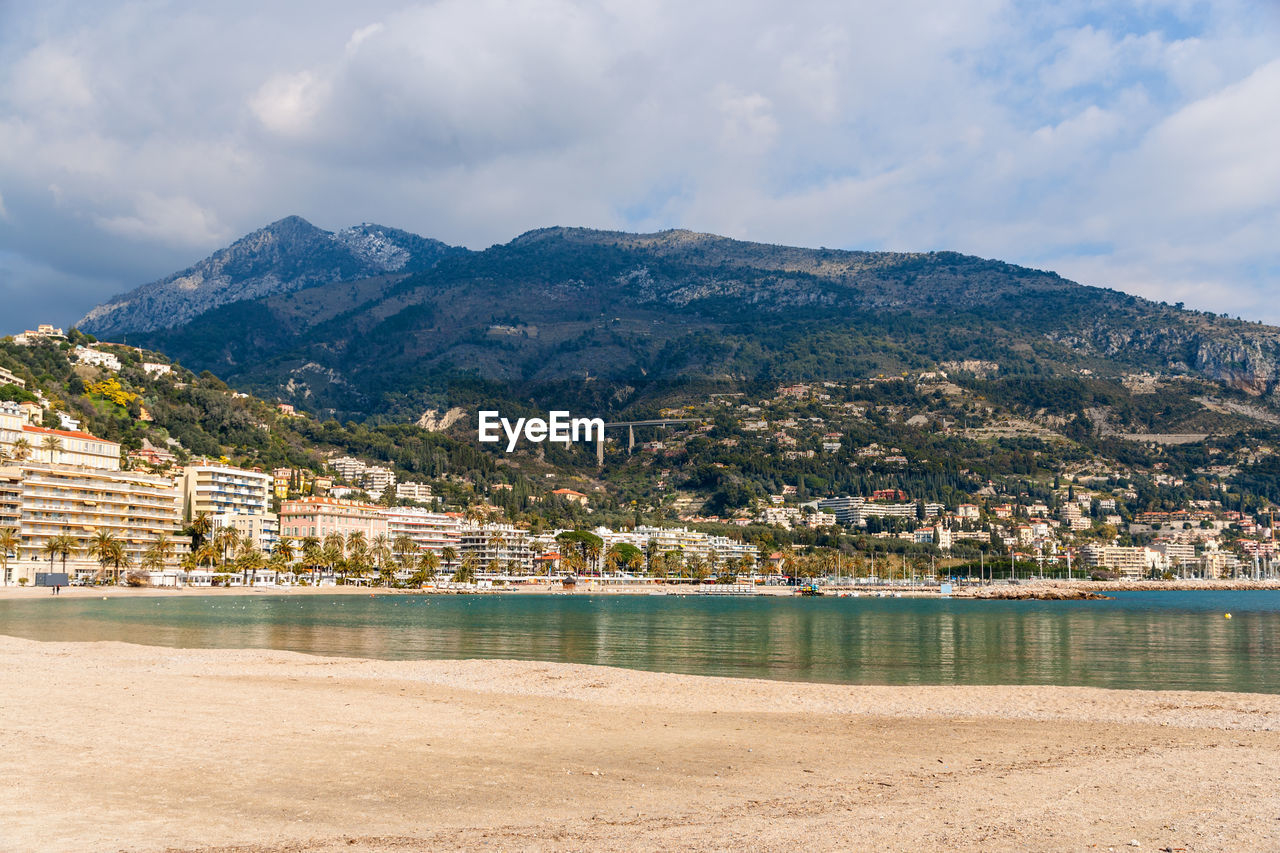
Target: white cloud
177,221
1048,135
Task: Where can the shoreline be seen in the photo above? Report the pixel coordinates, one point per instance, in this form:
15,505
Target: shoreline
265,751
1048,589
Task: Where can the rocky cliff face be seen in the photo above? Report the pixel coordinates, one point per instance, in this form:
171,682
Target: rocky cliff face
283,257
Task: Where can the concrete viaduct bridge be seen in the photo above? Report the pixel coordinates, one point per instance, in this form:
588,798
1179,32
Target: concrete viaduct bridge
631,432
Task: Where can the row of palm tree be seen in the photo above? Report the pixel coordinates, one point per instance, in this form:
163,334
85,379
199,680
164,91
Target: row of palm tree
21,449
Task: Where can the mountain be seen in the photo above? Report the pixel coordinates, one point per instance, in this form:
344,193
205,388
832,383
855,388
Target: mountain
283,257
607,320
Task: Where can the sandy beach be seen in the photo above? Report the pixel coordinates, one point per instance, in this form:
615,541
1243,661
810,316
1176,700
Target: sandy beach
106,746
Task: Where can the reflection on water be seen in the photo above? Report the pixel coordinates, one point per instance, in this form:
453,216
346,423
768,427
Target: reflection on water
1167,640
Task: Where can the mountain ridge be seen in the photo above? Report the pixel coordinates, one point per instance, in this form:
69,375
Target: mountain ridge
289,254
562,307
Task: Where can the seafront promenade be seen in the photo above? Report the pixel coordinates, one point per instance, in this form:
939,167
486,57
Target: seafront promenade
1034,588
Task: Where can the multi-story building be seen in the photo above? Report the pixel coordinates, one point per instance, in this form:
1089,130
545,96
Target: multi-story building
263,527
7,378
376,479
504,544
316,516
81,502
430,531
72,446
223,490
691,543
420,492
1128,562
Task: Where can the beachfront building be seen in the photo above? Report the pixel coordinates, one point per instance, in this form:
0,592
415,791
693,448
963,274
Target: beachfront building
82,502
224,490
263,527
1128,562
318,517
691,543
430,531
509,546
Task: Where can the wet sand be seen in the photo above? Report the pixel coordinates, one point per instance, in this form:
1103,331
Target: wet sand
106,746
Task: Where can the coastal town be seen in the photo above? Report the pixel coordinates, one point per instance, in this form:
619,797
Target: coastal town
77,508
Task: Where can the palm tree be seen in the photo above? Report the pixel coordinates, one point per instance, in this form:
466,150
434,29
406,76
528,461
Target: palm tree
201,526
225,539
311,554
53,444
381,553
102,547
282,556
119,559
9,541
250,560
448,554
66,545
21,450
152,560
402,546
357,553
163,547
429,564
331,555
466,572
206,555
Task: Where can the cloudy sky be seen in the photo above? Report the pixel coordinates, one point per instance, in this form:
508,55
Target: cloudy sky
1130,146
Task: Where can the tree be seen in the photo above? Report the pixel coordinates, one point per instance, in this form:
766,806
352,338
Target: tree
623,556
225,539
102,547
587,545
9,543
281,556
466,571
428,565
201,526
448,554
21,450
53,445
250,561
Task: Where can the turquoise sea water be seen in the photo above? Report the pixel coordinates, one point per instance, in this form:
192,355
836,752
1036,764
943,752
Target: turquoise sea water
1158,640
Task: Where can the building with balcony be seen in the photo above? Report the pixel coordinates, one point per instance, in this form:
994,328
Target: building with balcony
430,531
224,490
318,517
81,502
507,546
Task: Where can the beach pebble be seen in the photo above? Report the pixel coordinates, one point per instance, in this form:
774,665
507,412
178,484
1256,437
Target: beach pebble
1134,843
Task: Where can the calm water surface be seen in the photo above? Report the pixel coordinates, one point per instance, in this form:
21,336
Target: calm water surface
1159,640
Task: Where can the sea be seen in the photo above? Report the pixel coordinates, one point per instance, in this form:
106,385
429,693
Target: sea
1137,640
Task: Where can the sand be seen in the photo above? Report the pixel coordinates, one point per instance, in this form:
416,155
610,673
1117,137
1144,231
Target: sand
106,746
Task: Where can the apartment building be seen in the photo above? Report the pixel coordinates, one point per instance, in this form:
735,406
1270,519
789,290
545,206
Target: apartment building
692,543
430,531
73,446
263,528
1128,562
316,516
225,490
420,492
80,502
509,546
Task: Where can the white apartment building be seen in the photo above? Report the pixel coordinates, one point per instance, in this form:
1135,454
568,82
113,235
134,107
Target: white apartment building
225,490
430,531
1128,562
717,549
509,546
97,358
420,492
